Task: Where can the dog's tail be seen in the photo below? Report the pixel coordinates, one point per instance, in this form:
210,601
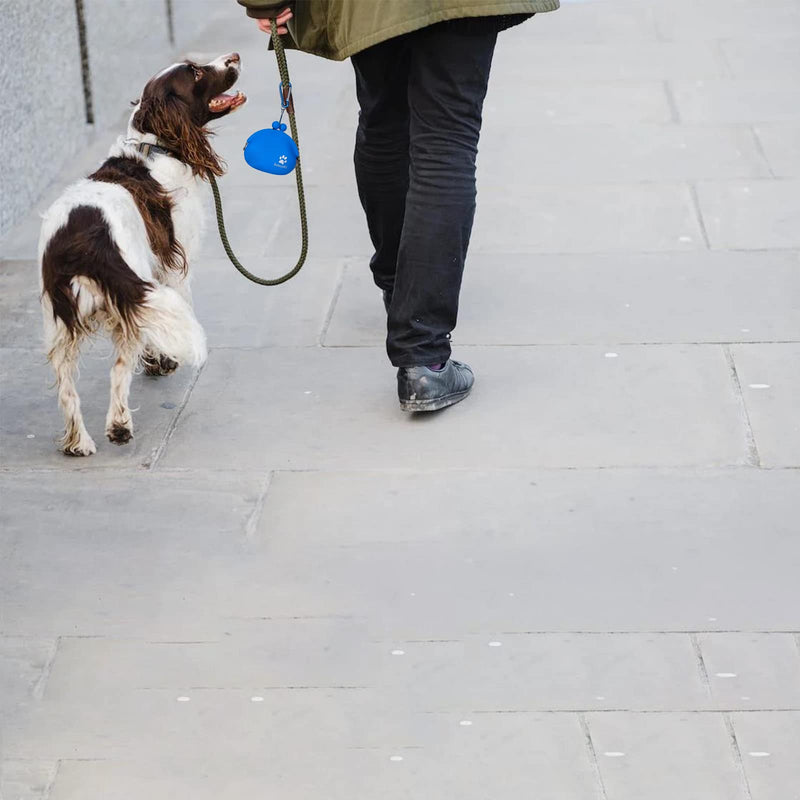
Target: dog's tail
167,326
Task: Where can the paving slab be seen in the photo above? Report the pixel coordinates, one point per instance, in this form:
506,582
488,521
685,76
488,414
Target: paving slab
744,101
156,546
770,382
680,20
26,780
530,672
612,153
755,669
781,142
20,310
293,314
531,547
318,422
616,217
600,299
24,668
769,742
751,215
663,756
511,102
564,62
748,57
498,755
31,422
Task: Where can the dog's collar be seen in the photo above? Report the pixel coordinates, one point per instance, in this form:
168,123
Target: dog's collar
153,148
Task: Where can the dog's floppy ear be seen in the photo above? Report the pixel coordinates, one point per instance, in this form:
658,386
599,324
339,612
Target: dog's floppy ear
169,118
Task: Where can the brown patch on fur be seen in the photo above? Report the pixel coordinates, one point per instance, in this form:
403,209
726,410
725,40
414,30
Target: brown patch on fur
154,204
84,247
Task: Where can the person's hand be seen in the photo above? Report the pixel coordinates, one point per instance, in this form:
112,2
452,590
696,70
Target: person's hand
282,18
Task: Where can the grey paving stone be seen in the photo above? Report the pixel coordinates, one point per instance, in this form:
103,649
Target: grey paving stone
31,423
720,19
596,299
558,61
770,382
501,756
769,743
751,214
666,756
121,554
744,101
20,311
318,420
755,58
781,143
530,548
612,153
591,102
759,670
627,218
24,664
529,672
292,314
26,780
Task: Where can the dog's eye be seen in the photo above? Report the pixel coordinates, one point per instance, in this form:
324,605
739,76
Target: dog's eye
198,74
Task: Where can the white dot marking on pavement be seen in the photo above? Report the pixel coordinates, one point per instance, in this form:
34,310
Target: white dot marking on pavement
725,675
256,699
309,392
745,697
413,594
759,386
759,754
614,754
684,238
600,697
395,758
712,619
398,652
183,699
612,355
495,644
511,594
31,436
465,723
745,330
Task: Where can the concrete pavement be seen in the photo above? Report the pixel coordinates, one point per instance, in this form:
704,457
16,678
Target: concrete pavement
580,583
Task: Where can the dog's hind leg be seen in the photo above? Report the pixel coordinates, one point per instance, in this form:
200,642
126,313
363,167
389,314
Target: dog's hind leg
63,355
119,424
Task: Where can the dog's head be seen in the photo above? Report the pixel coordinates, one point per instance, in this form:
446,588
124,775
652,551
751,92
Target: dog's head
178,103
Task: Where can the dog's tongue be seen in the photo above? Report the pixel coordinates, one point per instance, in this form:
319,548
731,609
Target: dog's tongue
224,101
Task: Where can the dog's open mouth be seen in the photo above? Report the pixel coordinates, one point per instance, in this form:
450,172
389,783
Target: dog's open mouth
226,102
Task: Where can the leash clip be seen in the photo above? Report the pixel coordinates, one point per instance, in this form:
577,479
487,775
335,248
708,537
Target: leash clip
285,94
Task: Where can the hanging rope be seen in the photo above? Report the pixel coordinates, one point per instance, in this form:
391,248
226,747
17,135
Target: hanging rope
283,69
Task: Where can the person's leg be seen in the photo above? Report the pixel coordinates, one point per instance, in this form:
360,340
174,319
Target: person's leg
381,152
449,71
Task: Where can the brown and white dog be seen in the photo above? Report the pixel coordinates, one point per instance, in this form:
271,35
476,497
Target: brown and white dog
115,248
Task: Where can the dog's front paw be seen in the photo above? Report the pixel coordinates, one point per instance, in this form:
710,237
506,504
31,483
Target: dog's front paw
158,365
81,447
119,433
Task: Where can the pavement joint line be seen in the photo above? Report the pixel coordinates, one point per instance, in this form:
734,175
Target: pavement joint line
592,753
337,290
701,663
698,210
753,457
255,515
51,782
721,56
44,676
737,756
155,456
675,114
761,149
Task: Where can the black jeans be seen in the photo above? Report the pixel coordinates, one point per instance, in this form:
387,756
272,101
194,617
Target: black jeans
421,98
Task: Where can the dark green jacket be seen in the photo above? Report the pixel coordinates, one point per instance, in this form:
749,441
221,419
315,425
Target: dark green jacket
338,28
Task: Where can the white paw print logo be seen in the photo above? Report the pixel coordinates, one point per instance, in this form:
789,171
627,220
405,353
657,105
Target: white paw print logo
282,161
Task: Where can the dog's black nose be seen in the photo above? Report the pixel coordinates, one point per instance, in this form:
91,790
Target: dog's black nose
233,58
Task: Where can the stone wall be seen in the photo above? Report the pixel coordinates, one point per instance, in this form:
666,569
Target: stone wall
43,114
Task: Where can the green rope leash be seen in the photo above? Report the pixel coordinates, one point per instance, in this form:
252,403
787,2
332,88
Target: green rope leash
283,69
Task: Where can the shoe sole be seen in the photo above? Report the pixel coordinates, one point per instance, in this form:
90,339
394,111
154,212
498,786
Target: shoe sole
434,403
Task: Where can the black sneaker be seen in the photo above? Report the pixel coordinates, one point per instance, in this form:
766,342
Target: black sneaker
426,389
